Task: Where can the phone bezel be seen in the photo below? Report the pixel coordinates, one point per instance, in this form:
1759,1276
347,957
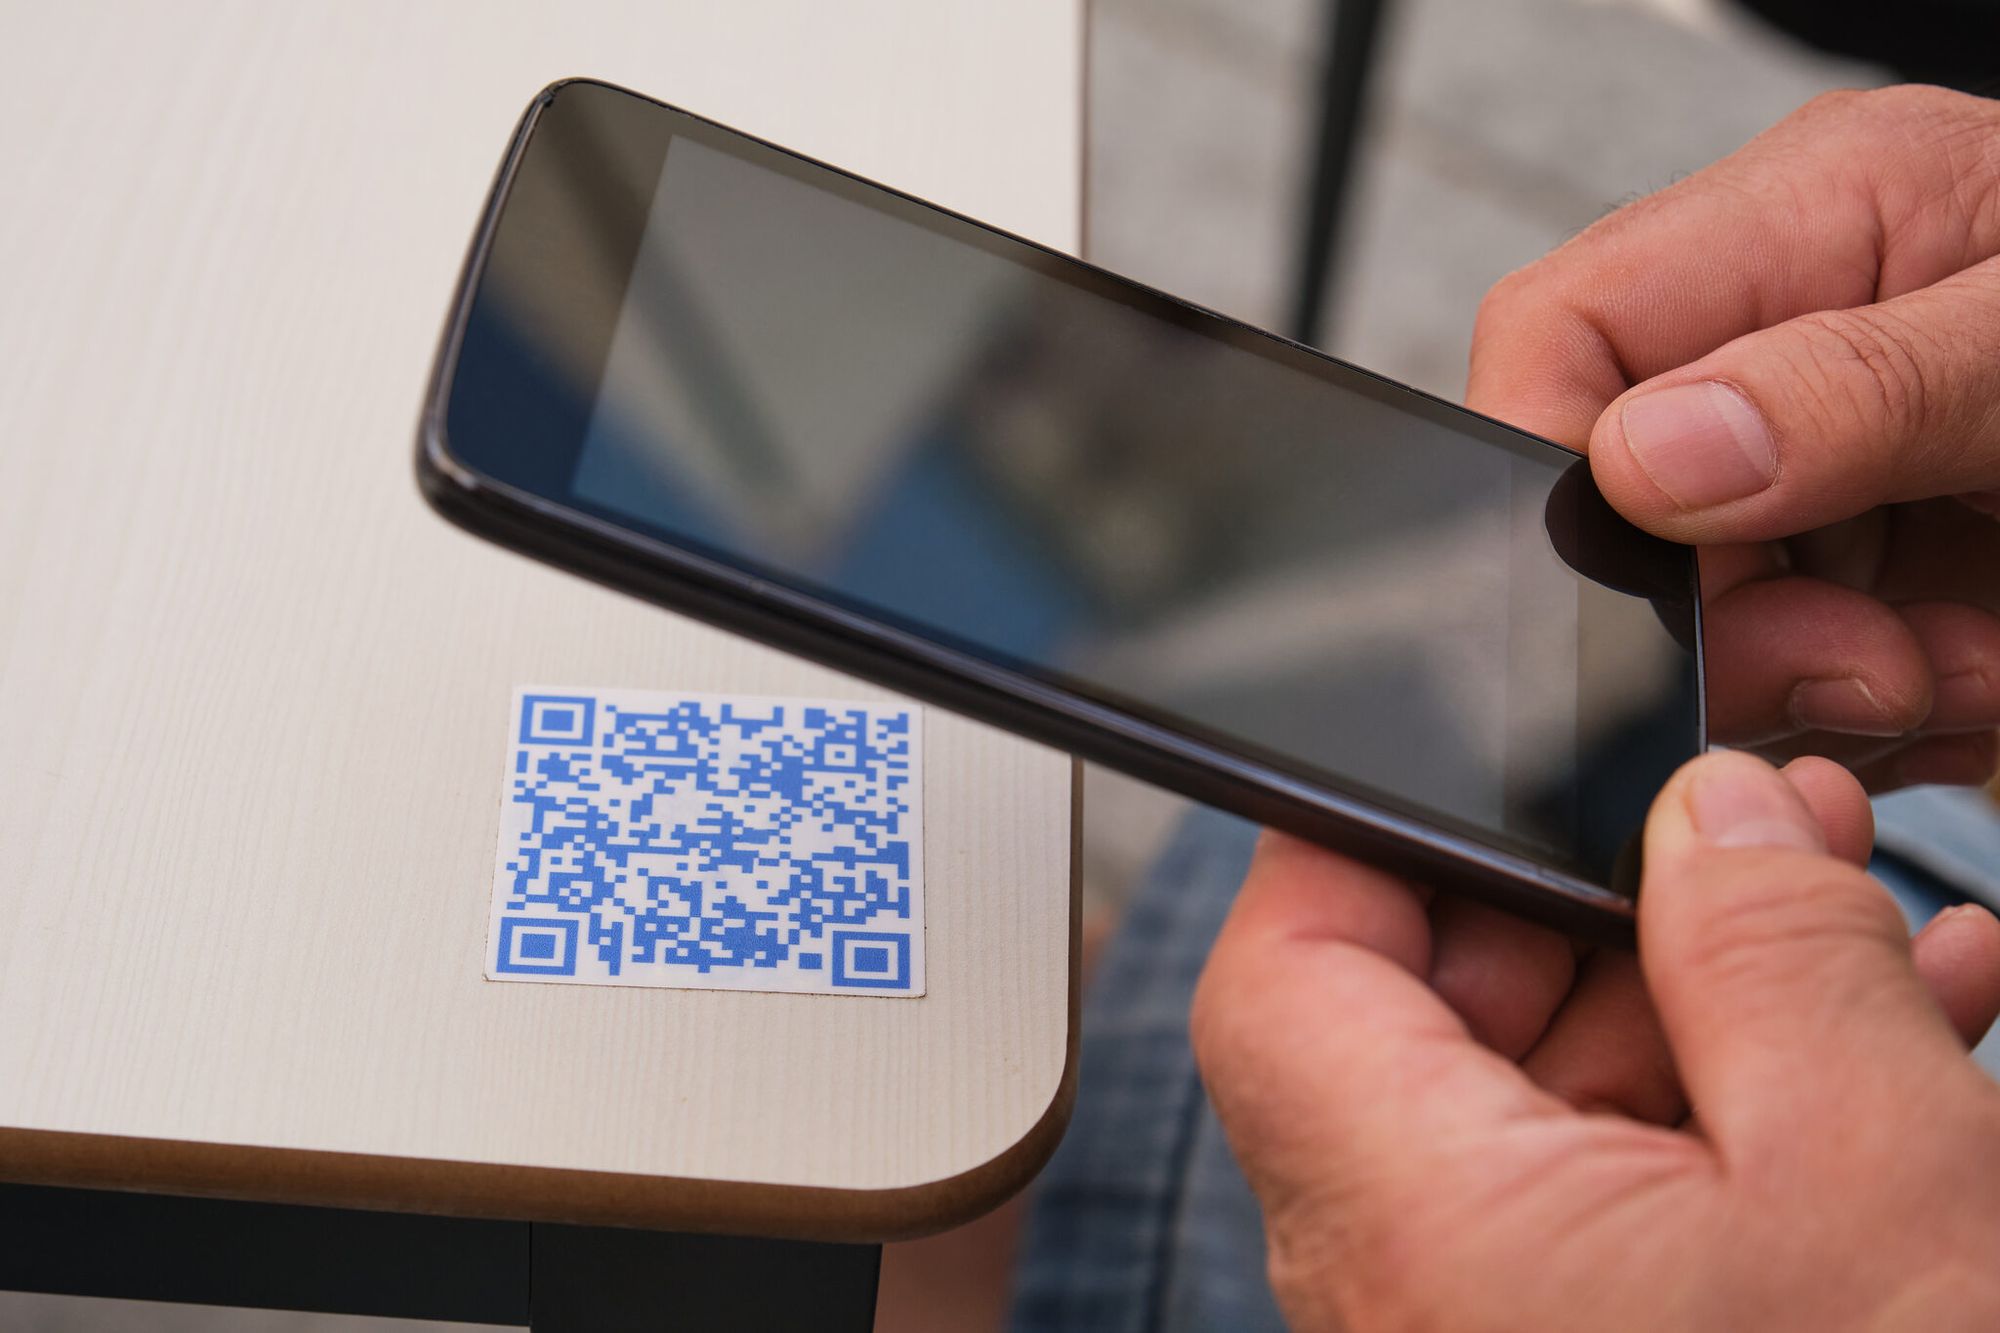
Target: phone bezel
1180,758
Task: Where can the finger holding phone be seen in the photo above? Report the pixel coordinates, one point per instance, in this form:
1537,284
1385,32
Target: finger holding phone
1766,1116
1841,1170
1789,361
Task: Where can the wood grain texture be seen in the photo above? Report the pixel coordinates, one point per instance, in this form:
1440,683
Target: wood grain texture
253,694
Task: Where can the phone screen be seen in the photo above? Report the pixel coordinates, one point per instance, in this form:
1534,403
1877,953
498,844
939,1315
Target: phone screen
920,419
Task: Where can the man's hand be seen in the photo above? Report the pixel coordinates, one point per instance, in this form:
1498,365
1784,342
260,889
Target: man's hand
1454,1119
1792,358
1774,1126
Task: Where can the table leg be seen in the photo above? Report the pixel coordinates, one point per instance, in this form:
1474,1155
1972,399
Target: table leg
605,1280
165,1247
1353,31
555,1279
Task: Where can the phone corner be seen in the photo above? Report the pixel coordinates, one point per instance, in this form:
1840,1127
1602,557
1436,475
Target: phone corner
445,483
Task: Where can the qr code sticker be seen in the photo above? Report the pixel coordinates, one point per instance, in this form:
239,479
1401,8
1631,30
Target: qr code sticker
710,842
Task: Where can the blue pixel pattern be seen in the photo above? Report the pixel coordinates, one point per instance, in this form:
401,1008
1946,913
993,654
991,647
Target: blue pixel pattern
691,840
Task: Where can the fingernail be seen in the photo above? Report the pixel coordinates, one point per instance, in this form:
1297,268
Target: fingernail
1945,765
1703,444
1737,804
1986,502
1845,705
1967,698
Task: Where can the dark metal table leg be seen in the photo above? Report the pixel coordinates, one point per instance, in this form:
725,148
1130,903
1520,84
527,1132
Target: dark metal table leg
1353,31
555,1279
161,1247
604,1280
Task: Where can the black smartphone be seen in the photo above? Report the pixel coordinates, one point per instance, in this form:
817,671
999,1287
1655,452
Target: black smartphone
819,412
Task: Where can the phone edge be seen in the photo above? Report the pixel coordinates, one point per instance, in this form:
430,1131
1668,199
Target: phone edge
1392,842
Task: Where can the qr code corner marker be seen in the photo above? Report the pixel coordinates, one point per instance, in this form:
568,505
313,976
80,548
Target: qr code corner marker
710,842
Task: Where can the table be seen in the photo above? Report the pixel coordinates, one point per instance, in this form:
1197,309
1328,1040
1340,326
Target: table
251,690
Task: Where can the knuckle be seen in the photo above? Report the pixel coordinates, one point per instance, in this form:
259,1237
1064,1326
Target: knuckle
1834,104
1932,155
1868,364
1534,301
1773,917
1511,297
1895,107
1893,104
1227,1031
1921,103
1209,1021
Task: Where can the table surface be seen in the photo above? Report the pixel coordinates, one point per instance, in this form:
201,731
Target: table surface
253,693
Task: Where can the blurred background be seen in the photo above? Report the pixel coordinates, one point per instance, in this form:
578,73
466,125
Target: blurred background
1489,131
1484,134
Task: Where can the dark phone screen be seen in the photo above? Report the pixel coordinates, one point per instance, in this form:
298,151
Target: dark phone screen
870,400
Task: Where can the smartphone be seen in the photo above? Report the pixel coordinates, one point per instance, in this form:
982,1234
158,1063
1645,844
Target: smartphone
827,415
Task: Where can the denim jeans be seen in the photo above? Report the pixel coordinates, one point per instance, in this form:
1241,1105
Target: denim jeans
1142,1222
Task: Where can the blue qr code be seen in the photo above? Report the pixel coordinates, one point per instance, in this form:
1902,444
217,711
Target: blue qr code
686,840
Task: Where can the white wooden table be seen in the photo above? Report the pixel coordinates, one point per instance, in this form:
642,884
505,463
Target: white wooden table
253,693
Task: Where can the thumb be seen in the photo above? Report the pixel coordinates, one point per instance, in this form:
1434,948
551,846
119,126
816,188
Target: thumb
1782,975
1814,420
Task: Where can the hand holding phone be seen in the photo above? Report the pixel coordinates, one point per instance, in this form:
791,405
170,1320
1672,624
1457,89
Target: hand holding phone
1516,1130
1778,359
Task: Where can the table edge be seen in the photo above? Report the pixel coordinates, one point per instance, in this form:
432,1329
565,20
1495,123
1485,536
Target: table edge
504,1191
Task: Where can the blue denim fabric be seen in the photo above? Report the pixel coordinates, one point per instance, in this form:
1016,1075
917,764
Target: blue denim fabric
1142,1222
1936,846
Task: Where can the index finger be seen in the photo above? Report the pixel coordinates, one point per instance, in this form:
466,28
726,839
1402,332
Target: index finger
1854,199
1326,1053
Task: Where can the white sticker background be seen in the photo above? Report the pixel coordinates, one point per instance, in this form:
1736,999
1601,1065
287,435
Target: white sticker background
711,842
